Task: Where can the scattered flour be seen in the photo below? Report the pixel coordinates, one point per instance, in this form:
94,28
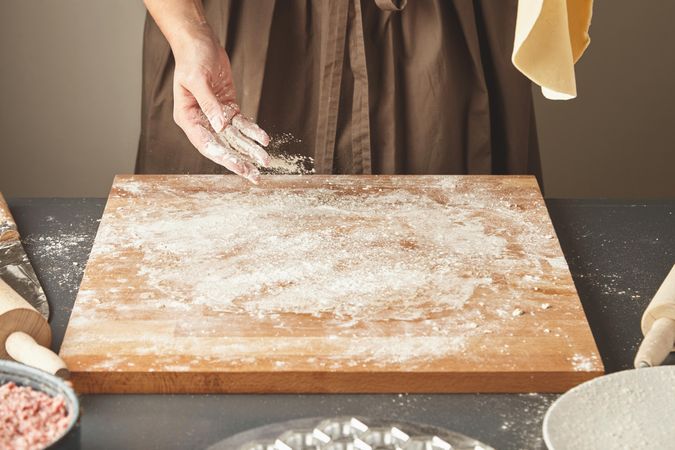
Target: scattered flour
57,254
584,363
283,162
399,275
527,429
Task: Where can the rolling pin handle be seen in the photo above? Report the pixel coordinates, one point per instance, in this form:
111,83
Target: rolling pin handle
23,348
657,344
658,326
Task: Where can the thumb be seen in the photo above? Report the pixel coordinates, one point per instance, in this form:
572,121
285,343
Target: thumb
209,104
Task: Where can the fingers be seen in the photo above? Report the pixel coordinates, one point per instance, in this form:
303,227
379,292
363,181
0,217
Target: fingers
251,130
232,146
225,156
245,145
230,110
220,153
219,115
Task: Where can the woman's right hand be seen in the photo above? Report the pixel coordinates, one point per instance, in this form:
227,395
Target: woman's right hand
206,109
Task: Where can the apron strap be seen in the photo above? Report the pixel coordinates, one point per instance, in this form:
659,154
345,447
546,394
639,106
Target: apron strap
330,79
344,29
360,129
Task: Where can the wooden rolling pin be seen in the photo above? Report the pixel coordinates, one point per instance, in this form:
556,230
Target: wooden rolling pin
25,335
658,326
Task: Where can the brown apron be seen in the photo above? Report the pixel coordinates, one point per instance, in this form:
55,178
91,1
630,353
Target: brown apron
364,86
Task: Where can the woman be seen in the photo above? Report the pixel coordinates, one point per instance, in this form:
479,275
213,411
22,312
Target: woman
364,86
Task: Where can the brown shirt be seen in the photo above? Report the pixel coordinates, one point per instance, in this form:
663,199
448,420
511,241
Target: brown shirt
363,86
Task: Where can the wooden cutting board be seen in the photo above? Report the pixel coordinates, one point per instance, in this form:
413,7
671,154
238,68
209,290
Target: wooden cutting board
200,284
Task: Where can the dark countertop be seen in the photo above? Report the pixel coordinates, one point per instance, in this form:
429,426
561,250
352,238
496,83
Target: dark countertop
618,252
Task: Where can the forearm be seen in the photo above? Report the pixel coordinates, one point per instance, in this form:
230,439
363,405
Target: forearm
181,21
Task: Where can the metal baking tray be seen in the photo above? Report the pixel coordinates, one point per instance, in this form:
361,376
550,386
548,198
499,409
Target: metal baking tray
349,433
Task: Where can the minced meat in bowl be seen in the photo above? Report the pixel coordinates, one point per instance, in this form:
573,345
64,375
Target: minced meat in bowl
37,410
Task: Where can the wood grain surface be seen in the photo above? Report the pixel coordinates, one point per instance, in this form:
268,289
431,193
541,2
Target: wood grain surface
208,284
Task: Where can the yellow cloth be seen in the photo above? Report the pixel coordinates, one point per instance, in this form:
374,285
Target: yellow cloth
551,35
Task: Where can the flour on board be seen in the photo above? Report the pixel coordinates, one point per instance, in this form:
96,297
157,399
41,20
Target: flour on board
583,362
354,257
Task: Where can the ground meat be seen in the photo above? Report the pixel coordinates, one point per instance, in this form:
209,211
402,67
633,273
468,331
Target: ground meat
30,419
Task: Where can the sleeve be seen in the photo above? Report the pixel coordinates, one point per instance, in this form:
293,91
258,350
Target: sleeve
551,36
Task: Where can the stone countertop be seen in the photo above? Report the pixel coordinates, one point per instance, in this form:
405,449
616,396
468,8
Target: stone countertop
619,252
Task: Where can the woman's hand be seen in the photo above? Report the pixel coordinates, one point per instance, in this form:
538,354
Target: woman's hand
205,107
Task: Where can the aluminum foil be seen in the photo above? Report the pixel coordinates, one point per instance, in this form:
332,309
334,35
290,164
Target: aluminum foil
349,433
17,271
